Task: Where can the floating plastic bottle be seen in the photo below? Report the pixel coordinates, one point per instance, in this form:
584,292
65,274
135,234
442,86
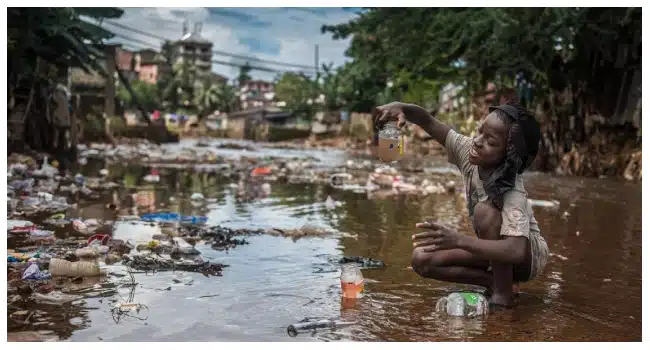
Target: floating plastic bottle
311,326
351,281
91,251
391,143
60,267
464,304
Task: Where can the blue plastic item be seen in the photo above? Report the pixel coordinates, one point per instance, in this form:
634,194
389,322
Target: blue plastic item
194,219
173,217
161,217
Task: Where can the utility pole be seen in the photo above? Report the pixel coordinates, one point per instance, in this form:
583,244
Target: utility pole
316,57
109,87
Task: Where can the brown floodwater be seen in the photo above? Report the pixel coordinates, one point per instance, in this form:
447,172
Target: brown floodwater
589,290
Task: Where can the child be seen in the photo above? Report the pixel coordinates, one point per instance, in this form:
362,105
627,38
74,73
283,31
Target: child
509,247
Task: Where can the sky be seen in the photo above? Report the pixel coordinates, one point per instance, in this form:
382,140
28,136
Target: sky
278,34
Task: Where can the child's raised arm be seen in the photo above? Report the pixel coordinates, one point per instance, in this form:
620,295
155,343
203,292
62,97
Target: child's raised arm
406,112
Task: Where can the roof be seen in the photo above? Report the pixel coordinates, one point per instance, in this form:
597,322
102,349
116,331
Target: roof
149,56
258,81
194,38
79,77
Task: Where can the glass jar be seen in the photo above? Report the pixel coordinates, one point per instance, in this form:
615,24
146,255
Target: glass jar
391,143
351,281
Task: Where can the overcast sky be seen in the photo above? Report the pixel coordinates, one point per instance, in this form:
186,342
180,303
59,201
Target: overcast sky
277,34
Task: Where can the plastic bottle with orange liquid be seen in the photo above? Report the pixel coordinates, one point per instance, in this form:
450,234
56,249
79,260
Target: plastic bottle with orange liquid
351,281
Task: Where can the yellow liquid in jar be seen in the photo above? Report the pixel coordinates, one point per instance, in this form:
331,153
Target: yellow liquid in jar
388,150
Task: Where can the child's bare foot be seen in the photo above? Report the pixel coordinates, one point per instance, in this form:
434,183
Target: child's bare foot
515,290
501,301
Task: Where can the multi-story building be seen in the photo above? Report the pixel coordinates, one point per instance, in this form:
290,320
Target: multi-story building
257,94
149,64
193,48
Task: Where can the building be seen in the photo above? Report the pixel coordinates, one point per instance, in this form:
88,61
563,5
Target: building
193,49
216,79
257,94
149,64
247,124
125,61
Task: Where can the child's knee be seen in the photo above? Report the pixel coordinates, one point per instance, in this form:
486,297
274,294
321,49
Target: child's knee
487,220
423,263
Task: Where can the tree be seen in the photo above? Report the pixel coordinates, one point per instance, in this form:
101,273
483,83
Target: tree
330,85
43,43
550,47
166,83
299,93
57,36
212,97
244,74
178,86
226,97
568,63
147,94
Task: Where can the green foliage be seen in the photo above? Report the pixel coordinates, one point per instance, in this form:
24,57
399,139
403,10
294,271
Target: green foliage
56,35
184,89
147,94
551,47
244,74
299,92
211,97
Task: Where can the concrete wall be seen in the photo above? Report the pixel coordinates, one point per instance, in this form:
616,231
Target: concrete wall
236,128
149,73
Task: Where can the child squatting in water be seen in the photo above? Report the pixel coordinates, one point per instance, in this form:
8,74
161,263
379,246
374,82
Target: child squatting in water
508,247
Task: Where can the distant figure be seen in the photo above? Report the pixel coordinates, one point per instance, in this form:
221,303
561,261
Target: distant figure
61,125
509,247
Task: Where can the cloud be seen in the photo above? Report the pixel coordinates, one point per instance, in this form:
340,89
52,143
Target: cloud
239,17
271,47
286,35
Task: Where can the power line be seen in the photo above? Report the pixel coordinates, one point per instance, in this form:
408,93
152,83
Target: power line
146,45
221,53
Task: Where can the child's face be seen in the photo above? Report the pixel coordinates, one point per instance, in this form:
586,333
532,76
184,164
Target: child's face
488,147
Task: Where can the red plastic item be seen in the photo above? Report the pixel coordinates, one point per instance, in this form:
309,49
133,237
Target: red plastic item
261,171
99,237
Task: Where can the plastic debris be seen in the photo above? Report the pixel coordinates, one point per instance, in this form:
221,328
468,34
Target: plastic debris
197,197
544,204
365,263
60,267
463,304
311,326
34,273
18,226
55,297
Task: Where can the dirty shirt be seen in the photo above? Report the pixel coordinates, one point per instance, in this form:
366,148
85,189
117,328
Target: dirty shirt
517,214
